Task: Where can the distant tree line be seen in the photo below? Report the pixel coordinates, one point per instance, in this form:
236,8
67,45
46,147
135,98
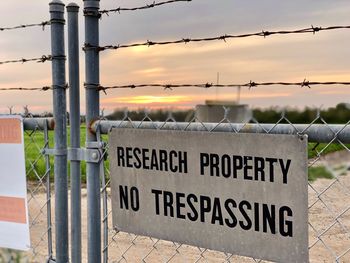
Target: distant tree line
339,114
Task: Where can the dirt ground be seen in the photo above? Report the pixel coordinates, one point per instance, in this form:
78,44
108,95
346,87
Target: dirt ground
329,224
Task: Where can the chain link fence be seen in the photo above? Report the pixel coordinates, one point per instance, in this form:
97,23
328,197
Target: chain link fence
37,139
38,171
328,192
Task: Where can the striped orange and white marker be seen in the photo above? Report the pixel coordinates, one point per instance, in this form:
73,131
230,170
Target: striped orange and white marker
14,225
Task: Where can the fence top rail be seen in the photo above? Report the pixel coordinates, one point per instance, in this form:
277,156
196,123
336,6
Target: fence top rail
32,124
320,133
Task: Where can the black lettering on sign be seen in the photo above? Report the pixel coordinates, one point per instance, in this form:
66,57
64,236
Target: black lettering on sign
128,156
226,166
183,162
191,198
229,205
154,161
237,162
247,167
204,206
172,156
269,218
156,193
214,164
180,204
271,162
124,198
163,160
259,169
145,159
137,162
120,156
135,198
285,169
168,203
247,224
256,217
286,226
247,216
204,161
217,212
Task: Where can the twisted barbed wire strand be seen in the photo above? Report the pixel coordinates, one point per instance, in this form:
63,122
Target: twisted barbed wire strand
148,6
42,24
251,84
225,37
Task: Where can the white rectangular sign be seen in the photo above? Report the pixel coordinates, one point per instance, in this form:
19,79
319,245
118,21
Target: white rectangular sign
14,225
244,194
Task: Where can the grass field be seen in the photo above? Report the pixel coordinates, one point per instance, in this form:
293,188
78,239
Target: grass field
35,162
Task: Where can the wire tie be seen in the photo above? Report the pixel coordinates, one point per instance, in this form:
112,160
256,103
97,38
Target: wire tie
266,33
223,38
150,43
208,85
305,83
101,88
251,84
315,29
45,88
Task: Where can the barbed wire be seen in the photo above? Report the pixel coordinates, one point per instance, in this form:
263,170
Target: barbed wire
263,33
249,85
41,59
44,88
148,6
42,24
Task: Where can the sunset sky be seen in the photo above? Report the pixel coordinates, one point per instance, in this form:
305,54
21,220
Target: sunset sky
324,56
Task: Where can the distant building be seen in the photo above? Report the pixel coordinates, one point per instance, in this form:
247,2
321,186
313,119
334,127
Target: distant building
214,111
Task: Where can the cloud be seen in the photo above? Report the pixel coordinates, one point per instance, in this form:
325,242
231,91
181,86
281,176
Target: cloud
319,57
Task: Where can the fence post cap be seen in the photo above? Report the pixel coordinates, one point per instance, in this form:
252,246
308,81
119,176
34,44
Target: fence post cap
72,7
56,6
92,4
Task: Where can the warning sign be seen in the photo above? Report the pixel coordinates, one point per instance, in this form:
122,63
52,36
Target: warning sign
244,194
14,226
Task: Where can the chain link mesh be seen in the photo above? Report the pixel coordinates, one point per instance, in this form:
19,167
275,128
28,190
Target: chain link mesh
328,192
38,168
38,172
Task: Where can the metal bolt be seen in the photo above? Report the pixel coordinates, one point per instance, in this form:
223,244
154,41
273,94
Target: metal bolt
94,156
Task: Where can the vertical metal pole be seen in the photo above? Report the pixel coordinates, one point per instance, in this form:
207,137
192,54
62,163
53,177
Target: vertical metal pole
60,114
104,204
92,74
48,193
74,118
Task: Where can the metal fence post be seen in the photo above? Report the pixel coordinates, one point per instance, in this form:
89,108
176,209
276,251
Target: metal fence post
48,193
60,114
92,69
74,121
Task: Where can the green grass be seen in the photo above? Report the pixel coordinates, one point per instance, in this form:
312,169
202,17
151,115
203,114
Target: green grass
314,148
34,143
36,163
317,172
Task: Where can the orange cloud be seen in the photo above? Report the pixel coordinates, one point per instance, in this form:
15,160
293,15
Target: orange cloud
148,99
